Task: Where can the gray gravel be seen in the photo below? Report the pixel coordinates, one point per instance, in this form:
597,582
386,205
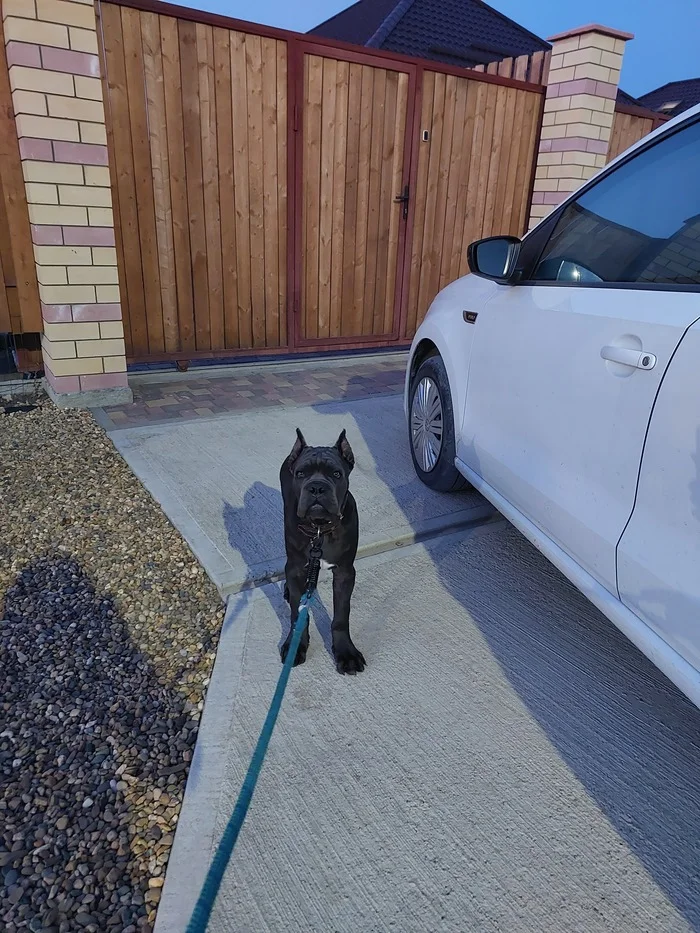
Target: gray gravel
107,640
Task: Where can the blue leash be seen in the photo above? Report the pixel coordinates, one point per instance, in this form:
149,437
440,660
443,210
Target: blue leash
205,902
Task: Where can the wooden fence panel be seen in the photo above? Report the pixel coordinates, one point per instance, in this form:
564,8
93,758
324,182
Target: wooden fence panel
202,137
20,310
354,139
473,177
197,135
627,129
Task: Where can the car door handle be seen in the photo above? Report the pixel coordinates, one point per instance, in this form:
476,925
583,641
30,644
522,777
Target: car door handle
638,359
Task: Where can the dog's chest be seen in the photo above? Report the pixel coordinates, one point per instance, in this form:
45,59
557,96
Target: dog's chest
325,565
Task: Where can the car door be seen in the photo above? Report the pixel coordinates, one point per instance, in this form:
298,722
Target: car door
658,556
566,365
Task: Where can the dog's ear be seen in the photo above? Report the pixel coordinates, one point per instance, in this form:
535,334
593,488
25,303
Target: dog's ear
343,446
299,445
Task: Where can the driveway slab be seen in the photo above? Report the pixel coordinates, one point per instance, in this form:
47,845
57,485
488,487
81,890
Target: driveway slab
218,482
507,761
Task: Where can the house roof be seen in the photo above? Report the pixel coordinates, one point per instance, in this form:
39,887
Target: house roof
682,94
624,98
455,32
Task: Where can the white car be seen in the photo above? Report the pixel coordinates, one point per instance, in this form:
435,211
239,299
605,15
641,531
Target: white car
562,380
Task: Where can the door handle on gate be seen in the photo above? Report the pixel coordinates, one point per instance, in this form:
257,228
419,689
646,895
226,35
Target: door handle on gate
404,199
638,359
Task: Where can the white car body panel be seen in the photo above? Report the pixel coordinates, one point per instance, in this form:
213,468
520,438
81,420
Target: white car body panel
659,554
603,479
554,427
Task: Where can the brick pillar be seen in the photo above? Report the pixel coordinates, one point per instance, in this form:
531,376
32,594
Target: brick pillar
57,98
579,108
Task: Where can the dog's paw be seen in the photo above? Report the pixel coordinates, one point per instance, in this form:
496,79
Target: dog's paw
349,660
301,653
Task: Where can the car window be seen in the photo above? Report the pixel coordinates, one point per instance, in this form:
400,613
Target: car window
641,223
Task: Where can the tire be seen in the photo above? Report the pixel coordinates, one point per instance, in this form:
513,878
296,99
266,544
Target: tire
431,432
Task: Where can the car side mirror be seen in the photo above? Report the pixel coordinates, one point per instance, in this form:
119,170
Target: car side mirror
494,258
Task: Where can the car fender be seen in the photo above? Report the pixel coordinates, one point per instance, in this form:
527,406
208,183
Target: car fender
446,326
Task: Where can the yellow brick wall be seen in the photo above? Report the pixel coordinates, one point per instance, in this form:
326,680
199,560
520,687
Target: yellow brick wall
578,114
60,120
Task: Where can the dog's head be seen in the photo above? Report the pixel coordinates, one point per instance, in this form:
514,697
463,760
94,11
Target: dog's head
320,477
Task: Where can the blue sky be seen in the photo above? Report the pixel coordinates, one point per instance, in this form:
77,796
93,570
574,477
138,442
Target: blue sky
665,47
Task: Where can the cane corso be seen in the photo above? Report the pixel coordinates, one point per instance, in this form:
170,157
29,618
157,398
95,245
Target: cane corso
316,496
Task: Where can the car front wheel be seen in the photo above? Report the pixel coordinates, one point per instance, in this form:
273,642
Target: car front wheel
431,428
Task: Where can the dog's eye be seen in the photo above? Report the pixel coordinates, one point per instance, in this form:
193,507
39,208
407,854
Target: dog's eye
299,474
337,474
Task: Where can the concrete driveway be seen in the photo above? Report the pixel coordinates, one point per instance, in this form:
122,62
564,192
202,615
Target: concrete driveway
507,761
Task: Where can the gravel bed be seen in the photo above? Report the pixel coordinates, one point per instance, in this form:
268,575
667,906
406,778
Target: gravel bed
107,639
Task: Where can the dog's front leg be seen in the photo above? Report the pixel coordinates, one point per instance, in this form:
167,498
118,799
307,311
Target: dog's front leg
295,582
348,660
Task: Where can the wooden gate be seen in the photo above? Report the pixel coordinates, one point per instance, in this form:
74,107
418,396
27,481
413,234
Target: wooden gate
354,157
255,176
197,124
475,162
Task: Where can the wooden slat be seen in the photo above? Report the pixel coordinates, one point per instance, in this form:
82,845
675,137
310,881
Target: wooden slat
227,203
6,323
282,200
505,67
253,47
456,170
340,158
23,306
443,186
239,95
463,183
172,82
393,264
313,103
326,196
158,138
122,172
375,167
189,65
143,173
270,183
363,200
386,205
420,201
526,156
536,67
508,146
520,67
351,196
427,257
210,182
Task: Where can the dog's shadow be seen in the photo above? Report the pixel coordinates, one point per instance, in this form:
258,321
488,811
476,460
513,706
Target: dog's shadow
263,509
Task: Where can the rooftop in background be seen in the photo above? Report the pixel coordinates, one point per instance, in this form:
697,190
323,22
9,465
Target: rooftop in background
673,98
627,99
455,32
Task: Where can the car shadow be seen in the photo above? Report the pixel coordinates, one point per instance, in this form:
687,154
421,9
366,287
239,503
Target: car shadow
629,736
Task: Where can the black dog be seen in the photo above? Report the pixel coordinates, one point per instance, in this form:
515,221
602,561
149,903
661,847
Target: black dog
316,495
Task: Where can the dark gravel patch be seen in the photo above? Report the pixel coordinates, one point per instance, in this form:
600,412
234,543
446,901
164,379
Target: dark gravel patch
89,735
